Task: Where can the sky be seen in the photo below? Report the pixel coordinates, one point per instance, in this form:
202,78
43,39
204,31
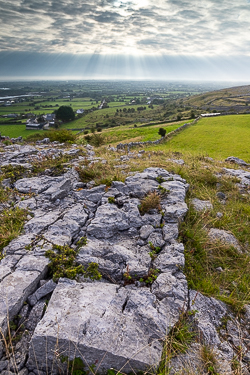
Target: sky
153,39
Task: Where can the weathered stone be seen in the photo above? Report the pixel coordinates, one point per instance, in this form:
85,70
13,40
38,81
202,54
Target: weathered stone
120,328
145,231
208,316
41,292
28,204
19,243
78,214
94,195
24,371
171,257
38,224
35,184
3,365
14,290
35,315
156,239
221,195
170,232
224,237
200,205
115,259
109,219
233,159
168,285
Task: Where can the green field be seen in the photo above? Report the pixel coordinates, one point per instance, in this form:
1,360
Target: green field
14,131
142,134
218,137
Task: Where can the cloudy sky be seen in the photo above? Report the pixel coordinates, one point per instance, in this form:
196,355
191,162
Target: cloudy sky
196,39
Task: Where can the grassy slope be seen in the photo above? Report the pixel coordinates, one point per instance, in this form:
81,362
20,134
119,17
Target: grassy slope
149,133
217,137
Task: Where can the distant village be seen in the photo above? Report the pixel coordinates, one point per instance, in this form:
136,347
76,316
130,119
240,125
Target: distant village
48,120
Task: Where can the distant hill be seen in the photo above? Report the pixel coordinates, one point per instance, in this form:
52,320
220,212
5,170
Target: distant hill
235,99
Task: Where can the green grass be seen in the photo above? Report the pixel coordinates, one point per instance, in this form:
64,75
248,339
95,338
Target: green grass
11,224
14,131
218,137
139,134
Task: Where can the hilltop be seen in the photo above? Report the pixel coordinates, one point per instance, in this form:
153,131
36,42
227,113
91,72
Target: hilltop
229,100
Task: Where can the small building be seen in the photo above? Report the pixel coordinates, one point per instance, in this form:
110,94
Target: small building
49,117
210,114
34,124
79,111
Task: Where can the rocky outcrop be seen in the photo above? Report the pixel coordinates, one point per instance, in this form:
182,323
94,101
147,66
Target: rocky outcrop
121,320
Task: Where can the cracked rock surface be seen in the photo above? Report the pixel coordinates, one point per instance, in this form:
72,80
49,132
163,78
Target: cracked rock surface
116,322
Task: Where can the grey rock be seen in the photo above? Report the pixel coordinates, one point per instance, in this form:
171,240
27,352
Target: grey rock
177,161
24,371
32,263
94,195
35,184
19,243
200,205
156,239
168,285
221,195
145,231
109,219
7,372
3,365
78,214
233,159
170,258
29,204
41,292
121,326
38,224
14,290
170,232
219,215
17,361
23,315
113,259
35,315
59,190
224,237
208,316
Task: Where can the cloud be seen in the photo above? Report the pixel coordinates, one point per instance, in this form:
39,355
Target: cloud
207,27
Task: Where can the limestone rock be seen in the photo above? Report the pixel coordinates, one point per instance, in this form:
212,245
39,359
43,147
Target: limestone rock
238,161
224,237
200,205
118,327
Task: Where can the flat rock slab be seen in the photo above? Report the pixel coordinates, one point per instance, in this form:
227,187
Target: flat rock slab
104,324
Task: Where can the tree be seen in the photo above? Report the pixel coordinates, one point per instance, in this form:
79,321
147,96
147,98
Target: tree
162,132
65,113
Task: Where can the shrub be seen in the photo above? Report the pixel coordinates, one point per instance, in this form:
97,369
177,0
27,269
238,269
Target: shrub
96,140
63,264
162,132
62,135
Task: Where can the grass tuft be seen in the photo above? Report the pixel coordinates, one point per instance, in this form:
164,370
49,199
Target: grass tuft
150,202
